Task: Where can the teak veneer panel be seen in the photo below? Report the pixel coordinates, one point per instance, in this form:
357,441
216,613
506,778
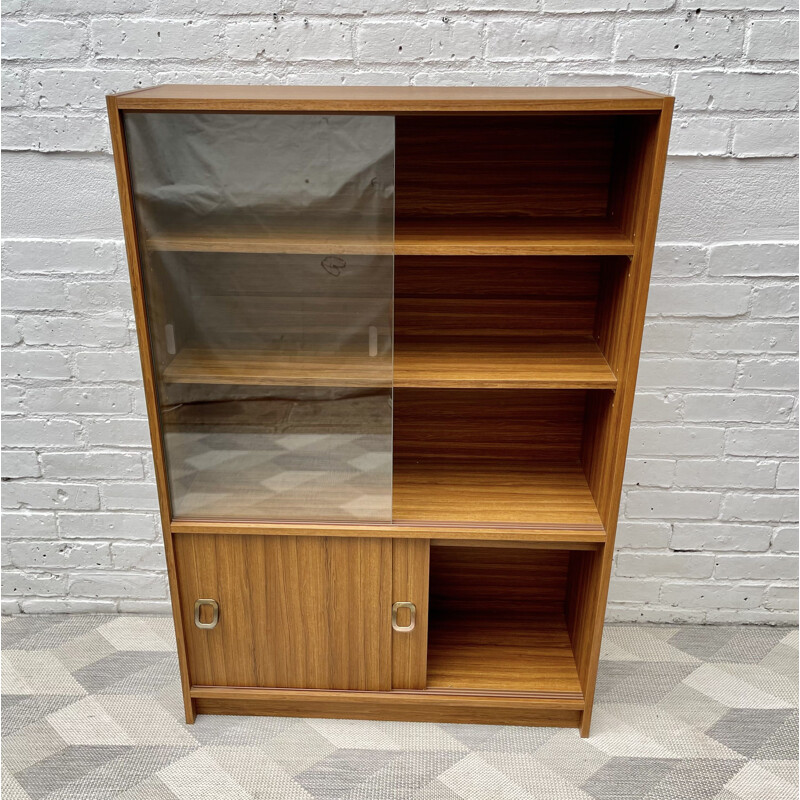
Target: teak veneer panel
495,493
294,612
418,363
455,235
508,363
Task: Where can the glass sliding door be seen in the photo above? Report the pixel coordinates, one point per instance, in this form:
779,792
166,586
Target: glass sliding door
266,248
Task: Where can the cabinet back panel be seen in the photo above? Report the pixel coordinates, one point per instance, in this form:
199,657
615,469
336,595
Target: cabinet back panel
507,579
503,166
488,423
495,296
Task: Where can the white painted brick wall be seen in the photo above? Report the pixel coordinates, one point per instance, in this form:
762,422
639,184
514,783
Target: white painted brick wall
707,530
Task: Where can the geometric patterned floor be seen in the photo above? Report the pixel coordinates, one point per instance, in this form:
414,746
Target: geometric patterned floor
91,711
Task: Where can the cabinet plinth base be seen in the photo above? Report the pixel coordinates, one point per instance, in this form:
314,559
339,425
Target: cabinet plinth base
402,706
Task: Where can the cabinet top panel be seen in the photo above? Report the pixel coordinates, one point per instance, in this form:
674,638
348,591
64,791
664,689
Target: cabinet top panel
390,99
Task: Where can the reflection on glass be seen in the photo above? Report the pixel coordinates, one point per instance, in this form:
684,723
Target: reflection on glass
266,246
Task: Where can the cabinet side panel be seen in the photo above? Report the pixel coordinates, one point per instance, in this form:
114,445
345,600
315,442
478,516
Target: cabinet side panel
410,582
135,272
608,416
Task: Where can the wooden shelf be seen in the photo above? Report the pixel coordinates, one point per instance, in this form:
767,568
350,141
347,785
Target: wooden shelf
501,363
512,494
512,236
276,368
446,362
502,652
444,236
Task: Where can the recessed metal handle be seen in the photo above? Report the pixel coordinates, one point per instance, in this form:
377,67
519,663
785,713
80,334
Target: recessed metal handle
198,604
404,628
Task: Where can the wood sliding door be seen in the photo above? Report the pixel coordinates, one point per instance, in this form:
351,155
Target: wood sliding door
305,612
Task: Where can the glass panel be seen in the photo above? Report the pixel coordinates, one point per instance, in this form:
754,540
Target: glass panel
266,246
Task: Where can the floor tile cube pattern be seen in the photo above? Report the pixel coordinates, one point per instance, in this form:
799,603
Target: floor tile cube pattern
91,710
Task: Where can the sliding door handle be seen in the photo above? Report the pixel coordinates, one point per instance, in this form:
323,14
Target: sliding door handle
198,604
412,622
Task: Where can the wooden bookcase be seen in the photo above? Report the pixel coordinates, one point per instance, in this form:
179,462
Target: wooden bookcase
389,340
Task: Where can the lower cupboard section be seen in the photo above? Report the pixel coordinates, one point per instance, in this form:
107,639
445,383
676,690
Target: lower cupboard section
382,628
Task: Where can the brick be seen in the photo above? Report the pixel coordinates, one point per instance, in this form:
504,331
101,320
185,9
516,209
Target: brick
765,442
11,334
762,338
736,91
289,40
83,88
671,441
750,5
109,466
753,259
130,497
700,39
689,373
110,330
60,257
737,407
713,595
60,555
161,607
117,584
761,198
99,296
603,6
41,495
20,464
626,590
726,474
117,525
24,584
651,81
700,136
666,565
764,138
666,337
781,598
679,260
456,40
155,39
35,185
41,525
654,504
788,476
549,40
697,536
753,567
134,555
649,407
13,88
655,614
13,398
69,8
785,540
767,374
40,432
779,300
73,400
34,294
66,605
41,40
691,299
34,364
9,607
179,8
643,535
649,472
48,133
754,616
118,433
772,40
760,508
94,366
